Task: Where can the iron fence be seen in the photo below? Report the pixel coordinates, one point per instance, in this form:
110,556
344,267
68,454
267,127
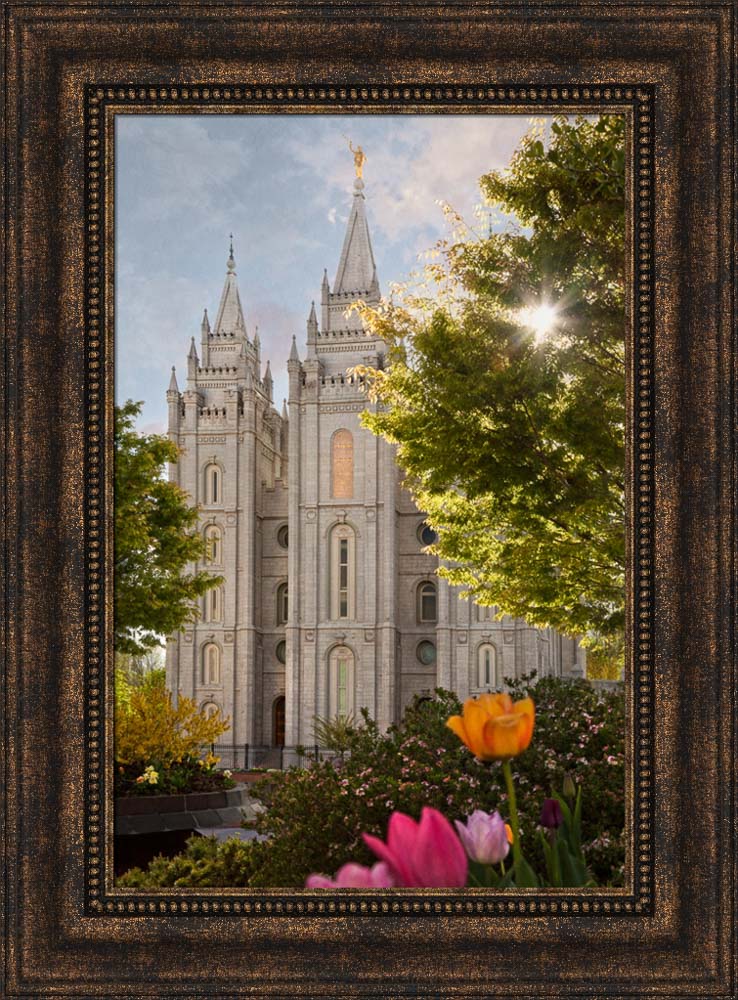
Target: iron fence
249,756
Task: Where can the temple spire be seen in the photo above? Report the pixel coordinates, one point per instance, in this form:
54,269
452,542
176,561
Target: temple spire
229,321
357,271
173,387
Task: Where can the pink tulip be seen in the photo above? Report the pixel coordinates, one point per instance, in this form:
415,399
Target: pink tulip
426,854
484,836
353,876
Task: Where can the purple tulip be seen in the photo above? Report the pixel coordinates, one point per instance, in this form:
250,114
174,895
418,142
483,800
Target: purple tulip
354,876
425,854
551,815
484,837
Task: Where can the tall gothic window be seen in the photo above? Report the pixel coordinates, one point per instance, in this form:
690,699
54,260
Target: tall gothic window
343,572
211,664
213,544
427,611
342,465
486,666
213,484
282,604
341,682
485,613
214,605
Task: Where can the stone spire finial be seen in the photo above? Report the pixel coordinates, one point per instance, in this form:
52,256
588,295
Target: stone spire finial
173,387
229,321
193,350
294,356
356,269
205,322
284,409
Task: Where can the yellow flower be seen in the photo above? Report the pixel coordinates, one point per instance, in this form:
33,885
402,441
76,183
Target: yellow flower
494,727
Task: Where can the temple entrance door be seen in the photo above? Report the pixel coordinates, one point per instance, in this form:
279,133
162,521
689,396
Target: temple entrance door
278,726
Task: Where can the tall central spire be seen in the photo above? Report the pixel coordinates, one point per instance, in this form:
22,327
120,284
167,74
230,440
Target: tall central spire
230,313
357,271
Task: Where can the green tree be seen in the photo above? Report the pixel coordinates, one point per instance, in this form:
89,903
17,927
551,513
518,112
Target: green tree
512,437
138,671
156,536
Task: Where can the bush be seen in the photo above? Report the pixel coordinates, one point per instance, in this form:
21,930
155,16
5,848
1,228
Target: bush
158,746
204,862
150,727
315,816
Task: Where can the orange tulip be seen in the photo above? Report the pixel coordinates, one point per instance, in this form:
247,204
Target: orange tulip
494,727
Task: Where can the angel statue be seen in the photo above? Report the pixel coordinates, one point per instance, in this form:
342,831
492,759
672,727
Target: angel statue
359,159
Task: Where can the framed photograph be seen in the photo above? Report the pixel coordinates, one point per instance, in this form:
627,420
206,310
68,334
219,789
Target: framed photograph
370,500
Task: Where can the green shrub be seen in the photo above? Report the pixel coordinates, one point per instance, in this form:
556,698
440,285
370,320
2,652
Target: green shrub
204,862
315,817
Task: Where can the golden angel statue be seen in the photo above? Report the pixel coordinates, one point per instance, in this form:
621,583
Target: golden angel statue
359,158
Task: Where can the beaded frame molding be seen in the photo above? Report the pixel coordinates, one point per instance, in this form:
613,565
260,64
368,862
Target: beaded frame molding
103,104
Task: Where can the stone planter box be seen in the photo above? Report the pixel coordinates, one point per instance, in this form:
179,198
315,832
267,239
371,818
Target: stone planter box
142,814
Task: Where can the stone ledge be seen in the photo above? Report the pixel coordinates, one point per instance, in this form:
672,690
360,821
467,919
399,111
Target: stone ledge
161,813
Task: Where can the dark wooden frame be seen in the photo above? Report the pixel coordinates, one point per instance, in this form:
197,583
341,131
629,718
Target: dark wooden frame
667,66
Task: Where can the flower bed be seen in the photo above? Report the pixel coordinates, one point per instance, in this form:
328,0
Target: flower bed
315,818
191,774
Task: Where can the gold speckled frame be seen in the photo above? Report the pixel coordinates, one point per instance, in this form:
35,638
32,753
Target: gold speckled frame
70,68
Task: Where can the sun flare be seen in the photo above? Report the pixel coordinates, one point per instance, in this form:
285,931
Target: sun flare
541,319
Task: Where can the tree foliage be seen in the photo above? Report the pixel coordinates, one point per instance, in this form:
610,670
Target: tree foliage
156,537
513,442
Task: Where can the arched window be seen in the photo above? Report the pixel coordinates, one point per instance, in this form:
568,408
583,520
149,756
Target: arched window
211,664
342,465
214,605
213,544
209,709
282,604
341,674
343,572
427,602
213,484
486,666
485,614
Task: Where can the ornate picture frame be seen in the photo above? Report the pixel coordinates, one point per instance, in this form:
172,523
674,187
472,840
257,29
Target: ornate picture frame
668,69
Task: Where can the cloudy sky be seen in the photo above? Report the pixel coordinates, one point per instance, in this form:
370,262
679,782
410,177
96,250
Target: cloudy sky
282,185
